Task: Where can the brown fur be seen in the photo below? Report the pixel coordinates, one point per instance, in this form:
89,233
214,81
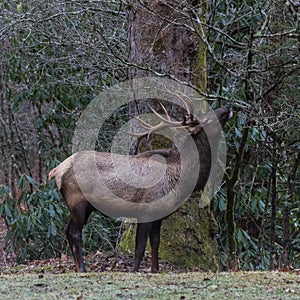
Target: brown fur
87,178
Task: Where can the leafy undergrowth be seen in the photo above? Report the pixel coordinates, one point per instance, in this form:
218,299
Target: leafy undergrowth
55,279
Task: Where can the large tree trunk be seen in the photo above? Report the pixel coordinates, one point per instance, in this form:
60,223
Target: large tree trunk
161,42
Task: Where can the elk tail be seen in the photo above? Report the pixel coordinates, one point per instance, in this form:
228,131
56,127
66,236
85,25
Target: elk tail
52,173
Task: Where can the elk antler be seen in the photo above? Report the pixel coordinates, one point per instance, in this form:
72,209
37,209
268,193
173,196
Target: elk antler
165,122
187,102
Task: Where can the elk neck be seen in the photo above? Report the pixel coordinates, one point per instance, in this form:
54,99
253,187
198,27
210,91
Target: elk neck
204,156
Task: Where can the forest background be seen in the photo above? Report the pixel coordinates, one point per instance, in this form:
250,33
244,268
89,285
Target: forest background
57,56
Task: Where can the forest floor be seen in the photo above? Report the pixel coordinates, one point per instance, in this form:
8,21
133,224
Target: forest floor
110,278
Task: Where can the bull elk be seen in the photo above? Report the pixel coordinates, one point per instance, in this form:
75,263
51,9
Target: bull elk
88,181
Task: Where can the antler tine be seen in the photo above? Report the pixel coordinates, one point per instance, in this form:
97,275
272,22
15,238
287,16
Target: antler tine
188,103
143,123
167,122
165,111
164,123
150,129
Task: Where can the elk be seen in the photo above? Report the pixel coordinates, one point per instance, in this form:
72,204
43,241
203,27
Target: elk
88,181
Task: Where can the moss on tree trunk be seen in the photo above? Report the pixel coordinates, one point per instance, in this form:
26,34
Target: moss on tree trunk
188,237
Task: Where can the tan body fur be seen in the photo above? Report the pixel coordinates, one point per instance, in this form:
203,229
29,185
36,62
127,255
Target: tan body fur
91,180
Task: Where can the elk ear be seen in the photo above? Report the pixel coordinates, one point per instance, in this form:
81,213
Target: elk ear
195,127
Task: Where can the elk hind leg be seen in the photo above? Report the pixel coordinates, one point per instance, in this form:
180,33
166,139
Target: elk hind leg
79,216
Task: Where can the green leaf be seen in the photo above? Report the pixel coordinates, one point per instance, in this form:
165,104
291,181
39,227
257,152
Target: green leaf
222,204
238,132
22,183
261,205
51,211
8,212
30,179
28,225
52,229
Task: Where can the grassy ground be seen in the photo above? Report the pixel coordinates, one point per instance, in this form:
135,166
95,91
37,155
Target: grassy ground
121,285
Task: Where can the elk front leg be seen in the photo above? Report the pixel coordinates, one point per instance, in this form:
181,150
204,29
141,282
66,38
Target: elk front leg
154,242
142,233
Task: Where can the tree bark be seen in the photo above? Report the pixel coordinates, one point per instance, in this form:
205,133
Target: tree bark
162,43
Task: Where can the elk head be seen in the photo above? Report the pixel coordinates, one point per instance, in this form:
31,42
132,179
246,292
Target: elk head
211,123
